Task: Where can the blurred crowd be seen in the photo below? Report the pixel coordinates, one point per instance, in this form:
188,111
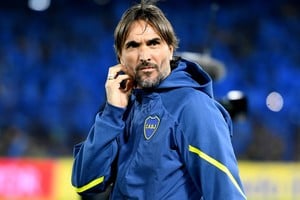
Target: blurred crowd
53,66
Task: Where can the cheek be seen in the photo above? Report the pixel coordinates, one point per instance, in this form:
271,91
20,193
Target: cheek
166,59
130,68
165,55
130,71
129,62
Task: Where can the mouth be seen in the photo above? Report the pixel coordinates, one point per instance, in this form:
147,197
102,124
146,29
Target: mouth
147,68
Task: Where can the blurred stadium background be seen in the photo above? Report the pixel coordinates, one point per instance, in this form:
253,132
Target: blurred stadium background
54,55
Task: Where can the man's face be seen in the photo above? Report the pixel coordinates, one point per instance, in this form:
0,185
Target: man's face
146,55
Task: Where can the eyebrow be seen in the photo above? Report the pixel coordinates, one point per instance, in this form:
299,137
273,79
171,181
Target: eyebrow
154,40
134,43
131,43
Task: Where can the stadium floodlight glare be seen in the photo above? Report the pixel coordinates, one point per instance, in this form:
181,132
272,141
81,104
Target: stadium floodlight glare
274,101
39,5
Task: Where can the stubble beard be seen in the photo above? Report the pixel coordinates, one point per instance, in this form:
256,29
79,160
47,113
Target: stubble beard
146,81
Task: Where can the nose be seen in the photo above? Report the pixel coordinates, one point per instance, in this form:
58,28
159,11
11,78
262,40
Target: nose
145,61
144,55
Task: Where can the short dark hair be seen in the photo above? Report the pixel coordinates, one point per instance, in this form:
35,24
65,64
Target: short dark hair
152,15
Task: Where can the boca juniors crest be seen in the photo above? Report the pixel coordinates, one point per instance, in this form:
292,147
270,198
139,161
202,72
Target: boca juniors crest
150,126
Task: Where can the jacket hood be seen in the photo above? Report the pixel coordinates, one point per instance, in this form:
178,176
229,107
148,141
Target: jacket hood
188,74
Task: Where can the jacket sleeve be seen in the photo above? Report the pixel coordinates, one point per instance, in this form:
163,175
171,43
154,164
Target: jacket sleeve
94,158
207,149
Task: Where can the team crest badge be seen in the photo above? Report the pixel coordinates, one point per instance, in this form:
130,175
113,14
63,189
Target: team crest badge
150,126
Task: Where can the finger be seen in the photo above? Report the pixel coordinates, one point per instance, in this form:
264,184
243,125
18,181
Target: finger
113,71
129,85
123,80
122,77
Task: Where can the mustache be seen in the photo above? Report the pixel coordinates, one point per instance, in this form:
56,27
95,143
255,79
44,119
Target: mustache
144,64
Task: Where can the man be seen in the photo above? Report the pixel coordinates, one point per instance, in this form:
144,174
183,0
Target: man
161,135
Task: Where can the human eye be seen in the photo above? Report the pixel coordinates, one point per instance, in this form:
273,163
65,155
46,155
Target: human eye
154,42
131,44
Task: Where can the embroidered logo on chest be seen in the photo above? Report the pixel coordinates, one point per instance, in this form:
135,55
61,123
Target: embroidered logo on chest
150,126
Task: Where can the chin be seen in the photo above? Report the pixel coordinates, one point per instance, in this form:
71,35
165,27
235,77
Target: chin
148,83
150,80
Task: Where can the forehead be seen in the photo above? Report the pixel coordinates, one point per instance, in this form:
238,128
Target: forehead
141,29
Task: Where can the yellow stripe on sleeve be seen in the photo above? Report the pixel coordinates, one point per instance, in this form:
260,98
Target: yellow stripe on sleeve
90,184
218,165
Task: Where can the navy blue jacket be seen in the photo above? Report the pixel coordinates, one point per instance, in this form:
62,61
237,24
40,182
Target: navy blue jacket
173,142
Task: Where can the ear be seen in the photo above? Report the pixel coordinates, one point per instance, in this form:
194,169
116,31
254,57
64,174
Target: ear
120,60
171,52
